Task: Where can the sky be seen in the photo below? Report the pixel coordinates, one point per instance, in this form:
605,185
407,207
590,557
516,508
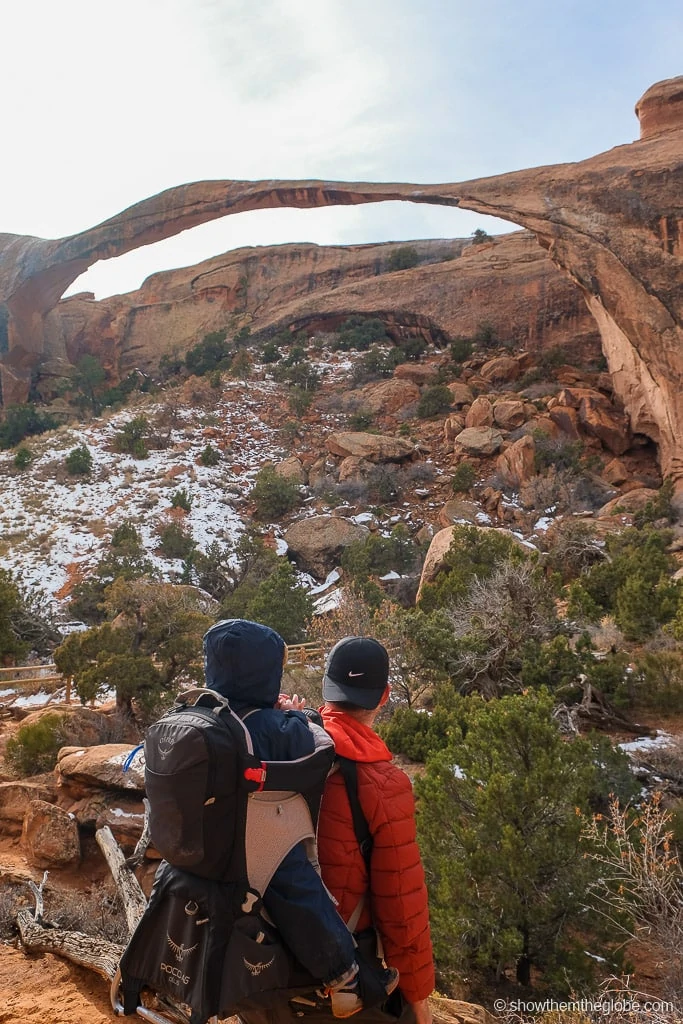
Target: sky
107,103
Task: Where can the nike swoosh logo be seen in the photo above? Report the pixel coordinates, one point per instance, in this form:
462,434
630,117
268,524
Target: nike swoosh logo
353,674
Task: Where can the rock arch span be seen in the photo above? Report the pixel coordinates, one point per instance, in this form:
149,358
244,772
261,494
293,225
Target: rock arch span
613,223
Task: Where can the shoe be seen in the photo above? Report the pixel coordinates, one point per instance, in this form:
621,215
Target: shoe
346,999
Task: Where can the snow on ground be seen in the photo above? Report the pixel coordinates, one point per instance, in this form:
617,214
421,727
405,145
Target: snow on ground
51,523
647,743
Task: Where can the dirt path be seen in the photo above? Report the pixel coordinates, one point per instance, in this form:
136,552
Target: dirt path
42,989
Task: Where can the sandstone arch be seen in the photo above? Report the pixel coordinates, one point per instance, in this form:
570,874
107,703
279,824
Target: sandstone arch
613,223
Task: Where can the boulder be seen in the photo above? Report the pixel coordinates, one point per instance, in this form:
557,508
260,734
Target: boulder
516,465
632,501
389,396
458,510
566,419
125,818
480,413
100,768
616,473
291,469
82,726
598,417
479,440
452,426
501,369
354,470
462,394
375,447
15,798
417,373
49,836
316,543
509,413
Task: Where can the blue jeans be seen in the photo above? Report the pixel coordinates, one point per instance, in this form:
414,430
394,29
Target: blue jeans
307,920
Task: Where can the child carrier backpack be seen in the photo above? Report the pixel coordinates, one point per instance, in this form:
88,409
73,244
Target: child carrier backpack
223,820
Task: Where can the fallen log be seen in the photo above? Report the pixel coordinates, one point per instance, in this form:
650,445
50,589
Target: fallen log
86,950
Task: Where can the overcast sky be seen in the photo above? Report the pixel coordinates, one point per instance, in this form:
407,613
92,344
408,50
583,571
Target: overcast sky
105,103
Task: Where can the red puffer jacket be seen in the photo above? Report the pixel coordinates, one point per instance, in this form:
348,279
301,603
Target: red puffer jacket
397,905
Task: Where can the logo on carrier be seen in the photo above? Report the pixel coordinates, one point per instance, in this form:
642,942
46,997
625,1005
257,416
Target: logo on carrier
181,951
256,969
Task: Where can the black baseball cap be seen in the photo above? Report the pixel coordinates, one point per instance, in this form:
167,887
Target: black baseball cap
357,672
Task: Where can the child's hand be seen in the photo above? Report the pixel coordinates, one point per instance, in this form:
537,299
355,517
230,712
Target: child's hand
287,703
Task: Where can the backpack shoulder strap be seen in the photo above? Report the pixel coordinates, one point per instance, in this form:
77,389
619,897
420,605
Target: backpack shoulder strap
349,771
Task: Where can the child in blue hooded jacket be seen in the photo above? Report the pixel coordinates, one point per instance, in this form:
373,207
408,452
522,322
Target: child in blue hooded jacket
243,661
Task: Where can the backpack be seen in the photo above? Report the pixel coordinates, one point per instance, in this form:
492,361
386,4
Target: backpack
222,820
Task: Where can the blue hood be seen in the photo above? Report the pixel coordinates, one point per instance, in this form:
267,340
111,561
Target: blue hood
243,661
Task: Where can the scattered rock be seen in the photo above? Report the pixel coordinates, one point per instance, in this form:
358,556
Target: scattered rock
615,473
389,396
453,425
598,417
50,836
375,447
509,413
458,510
480,413
99,767
14,799
500,369
291,469
316,543
462,394
479,440
354,470
418,373
516,465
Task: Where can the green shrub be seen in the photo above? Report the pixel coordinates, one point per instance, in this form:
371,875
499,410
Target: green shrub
34,748
181,499
211,353
633,584
23,457
660,508
23,421
404,258
241,365
209,456
485,336
480,236
658,681
411,349
270,353
464,477
283,604
130,438
273,495
359,332
126,536
461,349
79,461
175,542
377,555
376,363
433,401
360,420
500,835
299,401
556,453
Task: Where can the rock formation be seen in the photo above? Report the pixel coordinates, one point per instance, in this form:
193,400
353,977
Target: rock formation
613,223
510,283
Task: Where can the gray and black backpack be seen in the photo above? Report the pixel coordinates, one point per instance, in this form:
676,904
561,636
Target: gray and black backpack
222,820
